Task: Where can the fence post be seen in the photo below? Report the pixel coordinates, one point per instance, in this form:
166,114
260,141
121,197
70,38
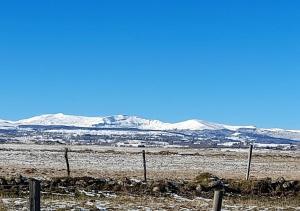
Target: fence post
67,161
217,206
35,195
249,162
144,163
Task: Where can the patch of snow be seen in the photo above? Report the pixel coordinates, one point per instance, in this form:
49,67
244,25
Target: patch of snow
259,145
228,144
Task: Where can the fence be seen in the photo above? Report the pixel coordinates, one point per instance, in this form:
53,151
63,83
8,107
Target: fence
34,185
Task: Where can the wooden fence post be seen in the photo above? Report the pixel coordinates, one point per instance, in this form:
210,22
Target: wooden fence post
249,162
217,206
34,195
144,163
67,161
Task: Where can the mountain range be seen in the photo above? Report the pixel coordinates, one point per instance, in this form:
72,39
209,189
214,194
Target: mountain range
122,121
201,130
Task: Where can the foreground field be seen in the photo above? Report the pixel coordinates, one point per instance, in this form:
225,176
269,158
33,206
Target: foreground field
48,161
167,168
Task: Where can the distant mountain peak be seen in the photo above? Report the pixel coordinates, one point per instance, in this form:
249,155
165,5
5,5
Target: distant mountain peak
60,119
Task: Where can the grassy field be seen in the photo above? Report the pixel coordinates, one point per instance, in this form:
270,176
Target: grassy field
49,161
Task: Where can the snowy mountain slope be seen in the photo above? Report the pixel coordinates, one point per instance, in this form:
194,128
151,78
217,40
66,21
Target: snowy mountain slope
61,119
280,133
5,123
124,121
195,124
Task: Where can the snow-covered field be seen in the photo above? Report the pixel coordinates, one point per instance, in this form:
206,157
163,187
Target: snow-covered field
48,161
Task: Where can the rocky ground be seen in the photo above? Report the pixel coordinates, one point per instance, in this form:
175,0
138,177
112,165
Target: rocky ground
106,193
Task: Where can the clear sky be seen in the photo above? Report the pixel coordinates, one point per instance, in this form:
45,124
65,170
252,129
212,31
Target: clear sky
235,62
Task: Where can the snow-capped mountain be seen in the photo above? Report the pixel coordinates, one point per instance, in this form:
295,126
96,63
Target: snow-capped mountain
121,121
195,124
281,133
61,119
124,121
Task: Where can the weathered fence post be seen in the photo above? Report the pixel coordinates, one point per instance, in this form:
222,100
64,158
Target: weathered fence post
34,195
144,163
217,206
249,162
67,161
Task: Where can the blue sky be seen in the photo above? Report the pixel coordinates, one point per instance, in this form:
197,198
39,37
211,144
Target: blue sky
235,62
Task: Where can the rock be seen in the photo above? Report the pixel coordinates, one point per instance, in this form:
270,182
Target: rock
172,186
156,189
11,181
100,181
64,182
117,187
215,184
162,185
280,180
264,186
45,184
199,189
80,183
19,180
135,182
3,181
111,182
287,185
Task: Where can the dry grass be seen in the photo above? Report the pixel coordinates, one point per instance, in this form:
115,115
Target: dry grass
48,161
2,207
261,201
